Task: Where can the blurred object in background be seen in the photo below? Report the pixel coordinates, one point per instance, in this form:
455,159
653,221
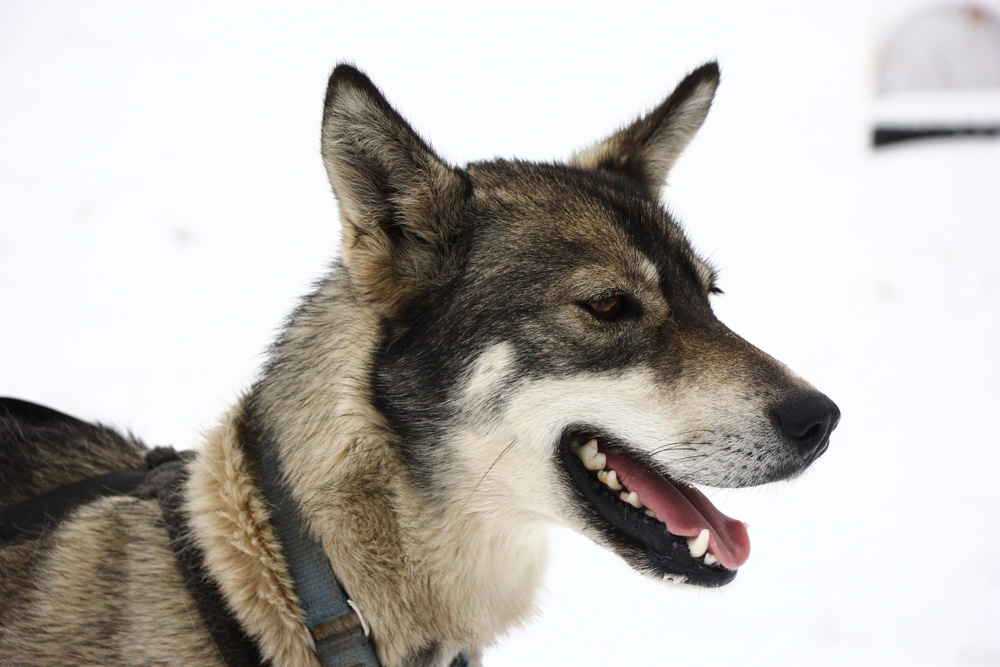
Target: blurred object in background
954,47
939,76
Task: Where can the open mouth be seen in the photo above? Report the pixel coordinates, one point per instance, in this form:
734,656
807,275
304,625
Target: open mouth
671,527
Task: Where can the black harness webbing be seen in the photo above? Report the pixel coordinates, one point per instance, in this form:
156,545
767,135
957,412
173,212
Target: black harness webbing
30,518
165,482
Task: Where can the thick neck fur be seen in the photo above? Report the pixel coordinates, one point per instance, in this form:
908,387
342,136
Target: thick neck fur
431,577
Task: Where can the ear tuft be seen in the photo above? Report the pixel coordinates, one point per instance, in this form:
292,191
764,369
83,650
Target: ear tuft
646,150
399,202
346,78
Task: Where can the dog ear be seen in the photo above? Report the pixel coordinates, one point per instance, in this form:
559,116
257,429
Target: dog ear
647,149
399,202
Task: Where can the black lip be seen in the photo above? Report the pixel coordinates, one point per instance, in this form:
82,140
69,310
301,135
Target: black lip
643,541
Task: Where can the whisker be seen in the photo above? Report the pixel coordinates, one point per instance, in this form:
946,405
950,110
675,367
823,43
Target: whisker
497,459
676,445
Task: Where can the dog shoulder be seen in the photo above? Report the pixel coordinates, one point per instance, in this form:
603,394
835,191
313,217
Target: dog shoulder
102,588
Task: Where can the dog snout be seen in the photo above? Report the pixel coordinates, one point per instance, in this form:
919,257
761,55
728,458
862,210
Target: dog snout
807,420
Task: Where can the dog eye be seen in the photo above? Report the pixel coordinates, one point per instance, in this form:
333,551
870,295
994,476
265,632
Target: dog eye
609,308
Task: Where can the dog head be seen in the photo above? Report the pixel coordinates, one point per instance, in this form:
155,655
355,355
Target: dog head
549,349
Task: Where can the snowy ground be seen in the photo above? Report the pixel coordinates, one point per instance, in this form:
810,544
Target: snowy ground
162,204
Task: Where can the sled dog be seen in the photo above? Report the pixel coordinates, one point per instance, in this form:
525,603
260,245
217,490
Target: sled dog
500,348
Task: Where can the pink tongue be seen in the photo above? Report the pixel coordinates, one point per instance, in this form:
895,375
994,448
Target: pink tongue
685,510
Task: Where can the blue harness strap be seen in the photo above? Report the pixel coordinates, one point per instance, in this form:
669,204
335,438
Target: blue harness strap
335,625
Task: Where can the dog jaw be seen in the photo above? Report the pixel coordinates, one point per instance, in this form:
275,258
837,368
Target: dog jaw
524,451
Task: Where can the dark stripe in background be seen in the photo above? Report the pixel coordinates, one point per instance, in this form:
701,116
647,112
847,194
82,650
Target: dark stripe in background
883,136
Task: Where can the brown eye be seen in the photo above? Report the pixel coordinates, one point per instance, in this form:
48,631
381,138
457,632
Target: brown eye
608,308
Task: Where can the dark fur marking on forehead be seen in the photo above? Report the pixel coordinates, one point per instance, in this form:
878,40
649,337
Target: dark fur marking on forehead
648,227
655,233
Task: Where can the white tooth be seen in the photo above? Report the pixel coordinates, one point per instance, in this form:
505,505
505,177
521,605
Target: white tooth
710,559
745,525
632,498
596,462
650,513
699,545
609,478
587,451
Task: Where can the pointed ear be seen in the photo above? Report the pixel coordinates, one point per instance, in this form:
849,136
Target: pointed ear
647,149
399,202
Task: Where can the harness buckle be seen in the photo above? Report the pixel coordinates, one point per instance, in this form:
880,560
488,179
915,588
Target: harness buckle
361,617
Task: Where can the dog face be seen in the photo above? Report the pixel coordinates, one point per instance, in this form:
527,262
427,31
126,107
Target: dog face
549,348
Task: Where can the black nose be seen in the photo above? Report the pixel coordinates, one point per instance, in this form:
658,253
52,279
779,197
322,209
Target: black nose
807,420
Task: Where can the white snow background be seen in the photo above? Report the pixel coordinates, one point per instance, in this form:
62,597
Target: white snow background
163,205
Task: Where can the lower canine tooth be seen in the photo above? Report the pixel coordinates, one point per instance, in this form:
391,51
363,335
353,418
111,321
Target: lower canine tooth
699,545
632,498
